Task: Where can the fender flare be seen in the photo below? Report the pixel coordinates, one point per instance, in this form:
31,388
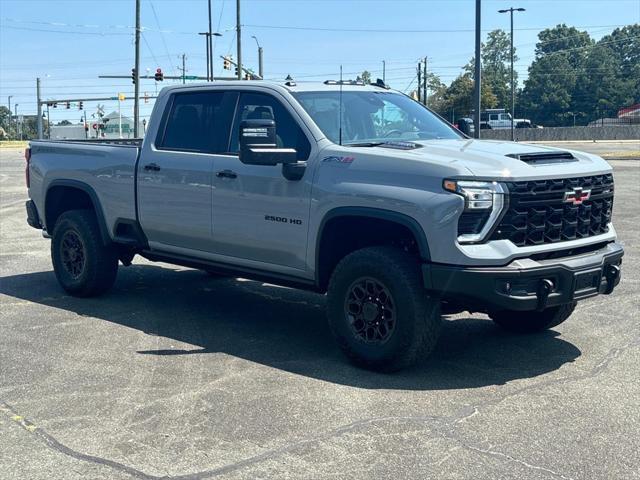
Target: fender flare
376,213
97,207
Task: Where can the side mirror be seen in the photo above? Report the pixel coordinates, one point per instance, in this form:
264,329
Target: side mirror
258,144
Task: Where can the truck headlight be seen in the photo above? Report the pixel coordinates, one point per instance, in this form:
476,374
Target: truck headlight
483,203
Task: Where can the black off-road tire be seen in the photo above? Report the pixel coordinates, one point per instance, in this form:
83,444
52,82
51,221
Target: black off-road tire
531,322
416,329
99,265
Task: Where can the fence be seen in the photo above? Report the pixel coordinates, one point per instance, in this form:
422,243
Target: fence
526,119
549,134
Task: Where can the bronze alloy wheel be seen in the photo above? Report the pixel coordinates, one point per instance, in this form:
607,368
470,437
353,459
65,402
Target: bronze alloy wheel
370,311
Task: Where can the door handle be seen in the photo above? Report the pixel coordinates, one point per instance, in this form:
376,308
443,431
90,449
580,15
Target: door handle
226,174
152,167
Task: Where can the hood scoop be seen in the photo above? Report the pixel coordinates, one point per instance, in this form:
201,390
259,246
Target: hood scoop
543,158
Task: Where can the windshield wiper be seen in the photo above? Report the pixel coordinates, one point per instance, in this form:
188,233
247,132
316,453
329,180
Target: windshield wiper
364,144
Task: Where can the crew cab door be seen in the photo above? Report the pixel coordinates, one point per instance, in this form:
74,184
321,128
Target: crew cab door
175,176
258,215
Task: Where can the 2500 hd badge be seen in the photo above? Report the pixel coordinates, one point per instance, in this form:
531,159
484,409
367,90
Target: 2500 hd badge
273,218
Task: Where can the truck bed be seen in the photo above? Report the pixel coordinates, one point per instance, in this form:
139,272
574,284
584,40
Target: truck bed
104,168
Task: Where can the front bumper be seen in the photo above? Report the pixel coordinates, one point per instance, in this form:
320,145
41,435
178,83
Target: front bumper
528,284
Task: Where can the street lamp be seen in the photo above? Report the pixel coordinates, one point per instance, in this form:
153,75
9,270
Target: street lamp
209,45
513,90
259,57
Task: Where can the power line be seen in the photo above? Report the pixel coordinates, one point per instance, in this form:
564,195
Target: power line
164,41
388,30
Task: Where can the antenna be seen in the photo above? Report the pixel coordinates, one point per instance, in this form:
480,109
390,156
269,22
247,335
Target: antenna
340,110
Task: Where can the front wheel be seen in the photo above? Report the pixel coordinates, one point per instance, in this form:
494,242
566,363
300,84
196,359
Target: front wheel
378,310
531,322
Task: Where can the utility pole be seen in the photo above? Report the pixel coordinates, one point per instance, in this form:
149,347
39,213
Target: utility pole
384,72
419,82
206,43
184,68
39,120
424,92
513,89
210,47
49,123
477,80
136,90
239,40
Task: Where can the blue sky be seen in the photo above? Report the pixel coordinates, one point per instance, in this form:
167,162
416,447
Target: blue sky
68,43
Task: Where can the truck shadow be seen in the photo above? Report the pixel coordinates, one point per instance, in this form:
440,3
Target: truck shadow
286,329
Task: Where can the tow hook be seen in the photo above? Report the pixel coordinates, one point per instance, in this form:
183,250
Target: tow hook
544,289
612,274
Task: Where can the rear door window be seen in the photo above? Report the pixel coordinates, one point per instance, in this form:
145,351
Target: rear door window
199,122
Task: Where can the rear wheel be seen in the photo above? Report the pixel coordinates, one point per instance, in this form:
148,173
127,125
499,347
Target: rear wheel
83,265
531,322
378,310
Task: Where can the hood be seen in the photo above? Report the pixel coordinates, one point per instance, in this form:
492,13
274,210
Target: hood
496,160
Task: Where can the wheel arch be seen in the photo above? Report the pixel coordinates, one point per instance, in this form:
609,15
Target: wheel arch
64,195
326,259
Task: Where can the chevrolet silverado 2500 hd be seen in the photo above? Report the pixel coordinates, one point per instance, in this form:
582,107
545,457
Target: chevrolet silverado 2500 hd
352,190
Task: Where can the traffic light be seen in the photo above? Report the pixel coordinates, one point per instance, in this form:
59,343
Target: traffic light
133,76
80,105
236,71
159,75
68,105
226,63
55,105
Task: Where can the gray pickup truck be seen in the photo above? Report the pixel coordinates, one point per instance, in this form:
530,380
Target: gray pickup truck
352,190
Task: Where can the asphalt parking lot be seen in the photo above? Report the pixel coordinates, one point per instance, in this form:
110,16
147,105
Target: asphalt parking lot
176,374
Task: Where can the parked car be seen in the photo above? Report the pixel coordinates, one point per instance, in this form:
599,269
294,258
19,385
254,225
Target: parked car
357,192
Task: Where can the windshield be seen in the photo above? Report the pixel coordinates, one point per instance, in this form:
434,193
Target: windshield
373,117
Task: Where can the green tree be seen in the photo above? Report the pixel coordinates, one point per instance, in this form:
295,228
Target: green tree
496,66
548,92
549,95
366,77
5,121
458,98
436,91
601,89
624,46
565,41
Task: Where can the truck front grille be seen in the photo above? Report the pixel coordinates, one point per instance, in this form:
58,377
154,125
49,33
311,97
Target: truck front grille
537,212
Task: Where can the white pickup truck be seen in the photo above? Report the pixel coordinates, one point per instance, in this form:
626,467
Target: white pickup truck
351,190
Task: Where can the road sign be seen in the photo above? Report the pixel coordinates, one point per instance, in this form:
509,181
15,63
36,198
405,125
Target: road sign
191,77
94,126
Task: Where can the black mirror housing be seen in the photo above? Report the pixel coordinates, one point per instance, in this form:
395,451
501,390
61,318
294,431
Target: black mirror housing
258,145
